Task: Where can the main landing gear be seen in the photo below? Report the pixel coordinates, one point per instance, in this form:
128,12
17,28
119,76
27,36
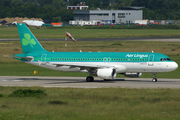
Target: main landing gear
154,77
90,79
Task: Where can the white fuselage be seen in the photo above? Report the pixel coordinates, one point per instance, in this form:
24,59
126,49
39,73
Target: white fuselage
143,67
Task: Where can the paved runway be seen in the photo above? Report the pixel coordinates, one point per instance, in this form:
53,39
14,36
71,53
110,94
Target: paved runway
163,39
80,82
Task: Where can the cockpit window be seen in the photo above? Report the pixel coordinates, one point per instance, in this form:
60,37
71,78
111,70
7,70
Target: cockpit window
165,59
168,59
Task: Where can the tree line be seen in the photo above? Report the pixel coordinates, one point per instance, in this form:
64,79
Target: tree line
56,10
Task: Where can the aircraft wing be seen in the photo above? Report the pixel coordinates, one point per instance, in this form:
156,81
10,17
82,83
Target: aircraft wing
80,65
89,67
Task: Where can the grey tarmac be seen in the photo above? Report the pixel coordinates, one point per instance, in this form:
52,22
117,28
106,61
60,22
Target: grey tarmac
80,82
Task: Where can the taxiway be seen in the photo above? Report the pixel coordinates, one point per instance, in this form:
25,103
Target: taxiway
80,82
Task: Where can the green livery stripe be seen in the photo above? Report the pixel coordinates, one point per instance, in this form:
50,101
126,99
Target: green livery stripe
98,57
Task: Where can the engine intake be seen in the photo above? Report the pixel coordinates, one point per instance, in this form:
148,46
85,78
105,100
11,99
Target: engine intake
106,73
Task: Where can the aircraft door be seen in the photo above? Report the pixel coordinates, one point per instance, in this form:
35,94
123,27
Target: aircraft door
109,59
151,60
105,60
43,57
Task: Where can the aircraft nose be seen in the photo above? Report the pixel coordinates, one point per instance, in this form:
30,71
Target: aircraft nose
174,66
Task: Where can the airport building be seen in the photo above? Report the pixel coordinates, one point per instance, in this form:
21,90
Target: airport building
123,15
80,6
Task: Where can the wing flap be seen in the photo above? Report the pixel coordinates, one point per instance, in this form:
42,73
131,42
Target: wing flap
73,65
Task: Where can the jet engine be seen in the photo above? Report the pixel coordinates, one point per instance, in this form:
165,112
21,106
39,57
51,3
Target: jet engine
106,73
132,74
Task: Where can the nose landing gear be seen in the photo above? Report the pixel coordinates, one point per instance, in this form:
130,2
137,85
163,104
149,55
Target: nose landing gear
154,77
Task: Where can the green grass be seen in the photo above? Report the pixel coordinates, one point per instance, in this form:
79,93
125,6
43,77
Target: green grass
11,32
88,104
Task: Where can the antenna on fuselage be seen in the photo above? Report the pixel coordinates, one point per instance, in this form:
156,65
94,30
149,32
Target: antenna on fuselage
152,51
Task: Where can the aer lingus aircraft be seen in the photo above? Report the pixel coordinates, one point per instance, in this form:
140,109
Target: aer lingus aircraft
105,65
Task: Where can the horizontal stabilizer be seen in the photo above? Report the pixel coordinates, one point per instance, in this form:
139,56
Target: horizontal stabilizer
29,58
7,56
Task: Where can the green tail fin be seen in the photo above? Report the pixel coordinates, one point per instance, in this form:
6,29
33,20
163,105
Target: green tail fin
29,42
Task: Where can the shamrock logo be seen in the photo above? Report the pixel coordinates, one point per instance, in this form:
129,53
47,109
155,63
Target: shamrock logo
27,40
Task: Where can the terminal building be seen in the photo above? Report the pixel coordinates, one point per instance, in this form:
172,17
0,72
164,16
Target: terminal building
81,6
125,15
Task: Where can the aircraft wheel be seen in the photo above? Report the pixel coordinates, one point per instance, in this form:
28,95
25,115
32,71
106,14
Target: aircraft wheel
89,79
154,80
